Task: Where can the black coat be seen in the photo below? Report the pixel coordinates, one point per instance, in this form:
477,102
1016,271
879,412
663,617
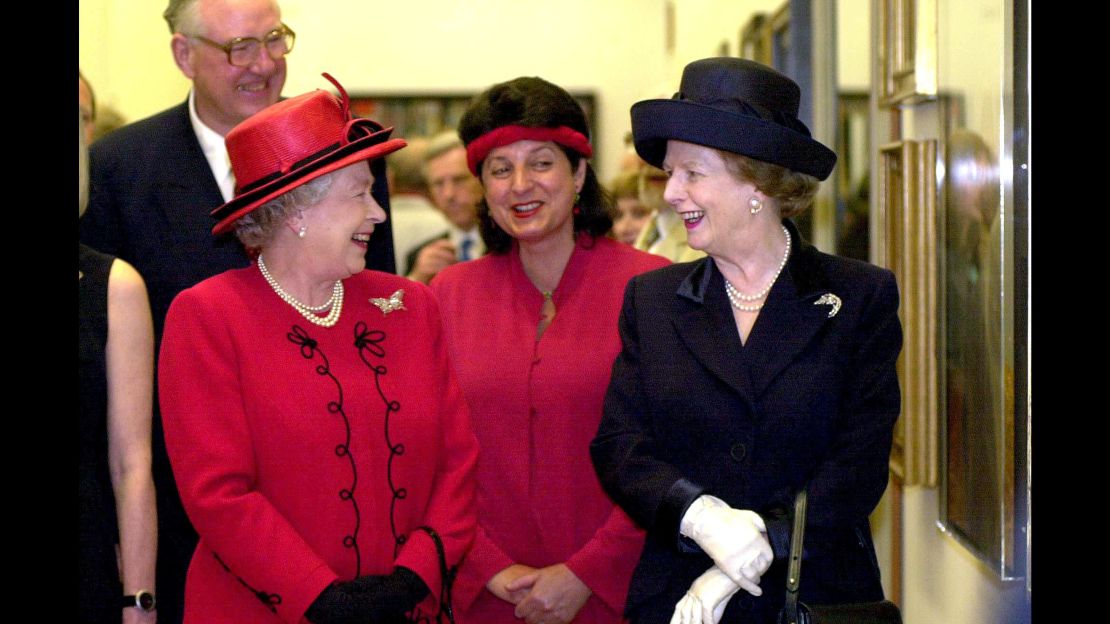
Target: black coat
808,399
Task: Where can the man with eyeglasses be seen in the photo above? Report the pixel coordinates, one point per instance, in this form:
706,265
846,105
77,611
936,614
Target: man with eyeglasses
153,184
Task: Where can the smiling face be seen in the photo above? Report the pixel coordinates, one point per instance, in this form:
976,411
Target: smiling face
711,201
530,190
225,94
455,192
338,228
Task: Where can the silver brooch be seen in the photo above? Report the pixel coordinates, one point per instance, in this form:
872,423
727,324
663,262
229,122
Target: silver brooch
829,299
395,302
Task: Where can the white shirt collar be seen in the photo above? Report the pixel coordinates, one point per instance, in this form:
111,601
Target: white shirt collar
215,151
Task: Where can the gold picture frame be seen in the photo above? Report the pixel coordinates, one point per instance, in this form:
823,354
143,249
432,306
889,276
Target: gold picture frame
908,197
755,40
907,51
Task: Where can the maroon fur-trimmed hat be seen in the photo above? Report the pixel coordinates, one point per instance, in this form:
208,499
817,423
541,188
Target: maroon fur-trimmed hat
294,141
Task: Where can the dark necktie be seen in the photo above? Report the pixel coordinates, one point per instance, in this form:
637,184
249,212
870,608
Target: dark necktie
464,248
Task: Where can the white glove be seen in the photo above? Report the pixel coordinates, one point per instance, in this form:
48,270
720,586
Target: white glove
736,539
705,601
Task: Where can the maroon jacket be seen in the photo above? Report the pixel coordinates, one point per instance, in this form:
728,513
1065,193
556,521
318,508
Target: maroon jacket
535,408
306,455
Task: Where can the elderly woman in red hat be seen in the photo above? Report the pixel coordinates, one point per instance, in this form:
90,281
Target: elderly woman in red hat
319,440
763,369
531,328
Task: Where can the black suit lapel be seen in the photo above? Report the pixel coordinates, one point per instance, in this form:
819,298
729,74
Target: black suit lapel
790,319
187,190
705,325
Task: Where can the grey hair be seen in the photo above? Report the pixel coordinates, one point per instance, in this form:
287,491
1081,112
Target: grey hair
257,228
82,166
440,144
183,16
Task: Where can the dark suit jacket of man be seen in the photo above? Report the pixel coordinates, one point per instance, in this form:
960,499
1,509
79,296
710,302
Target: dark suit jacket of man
808,398
150,193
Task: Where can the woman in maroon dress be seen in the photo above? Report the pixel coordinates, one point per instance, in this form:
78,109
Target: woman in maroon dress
531,328
318,437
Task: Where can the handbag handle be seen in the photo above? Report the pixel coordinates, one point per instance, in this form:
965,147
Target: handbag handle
794,571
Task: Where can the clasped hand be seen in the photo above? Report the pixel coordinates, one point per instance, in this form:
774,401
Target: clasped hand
736,540
550,595
705,601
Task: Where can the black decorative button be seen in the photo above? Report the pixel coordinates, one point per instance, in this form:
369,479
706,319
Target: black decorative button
738,452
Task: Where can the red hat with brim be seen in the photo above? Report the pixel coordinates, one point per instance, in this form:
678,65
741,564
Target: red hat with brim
293,142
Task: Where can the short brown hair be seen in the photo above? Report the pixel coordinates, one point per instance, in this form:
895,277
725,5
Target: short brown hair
792,191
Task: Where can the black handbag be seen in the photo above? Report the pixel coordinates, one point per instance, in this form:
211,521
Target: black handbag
797,612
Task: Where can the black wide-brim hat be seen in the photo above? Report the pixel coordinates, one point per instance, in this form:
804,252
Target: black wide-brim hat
735,105
294,141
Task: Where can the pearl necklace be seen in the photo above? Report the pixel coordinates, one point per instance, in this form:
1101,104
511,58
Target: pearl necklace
335,302
736,298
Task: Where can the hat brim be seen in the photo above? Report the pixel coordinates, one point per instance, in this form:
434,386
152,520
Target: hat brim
654,122
369,147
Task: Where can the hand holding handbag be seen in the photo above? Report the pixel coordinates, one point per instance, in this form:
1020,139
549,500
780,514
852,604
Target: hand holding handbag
797,612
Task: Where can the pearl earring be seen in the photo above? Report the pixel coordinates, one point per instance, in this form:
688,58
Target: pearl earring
755,205
301,232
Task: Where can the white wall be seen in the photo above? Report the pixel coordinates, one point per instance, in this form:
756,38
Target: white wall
943,581
612,48
853,56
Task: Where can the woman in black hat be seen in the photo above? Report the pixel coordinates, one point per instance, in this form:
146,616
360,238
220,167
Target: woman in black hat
319,441
531,330
762,369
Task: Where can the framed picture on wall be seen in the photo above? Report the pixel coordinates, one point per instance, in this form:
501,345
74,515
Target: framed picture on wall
779,26
983,487
907,195
755,40
907,51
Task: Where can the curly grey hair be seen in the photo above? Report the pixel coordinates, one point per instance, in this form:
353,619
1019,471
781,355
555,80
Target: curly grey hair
257,228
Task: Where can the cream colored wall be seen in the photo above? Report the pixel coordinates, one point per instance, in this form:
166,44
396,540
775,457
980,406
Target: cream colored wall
853,60
124,48
943,581
614,48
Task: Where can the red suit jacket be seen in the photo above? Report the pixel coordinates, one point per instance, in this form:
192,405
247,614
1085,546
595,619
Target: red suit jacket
535,407
306,455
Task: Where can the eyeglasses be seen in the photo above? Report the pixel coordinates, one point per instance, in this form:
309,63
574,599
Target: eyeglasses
242,51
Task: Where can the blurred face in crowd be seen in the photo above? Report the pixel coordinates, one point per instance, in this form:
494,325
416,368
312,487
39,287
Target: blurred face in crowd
632,217
225,94
455,192
84,100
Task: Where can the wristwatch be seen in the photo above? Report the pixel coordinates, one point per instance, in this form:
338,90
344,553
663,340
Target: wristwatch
142,600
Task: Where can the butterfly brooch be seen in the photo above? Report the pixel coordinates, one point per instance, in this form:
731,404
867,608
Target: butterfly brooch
394,303
829,299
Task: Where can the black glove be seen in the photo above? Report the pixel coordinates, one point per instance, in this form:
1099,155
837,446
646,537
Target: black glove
375,599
